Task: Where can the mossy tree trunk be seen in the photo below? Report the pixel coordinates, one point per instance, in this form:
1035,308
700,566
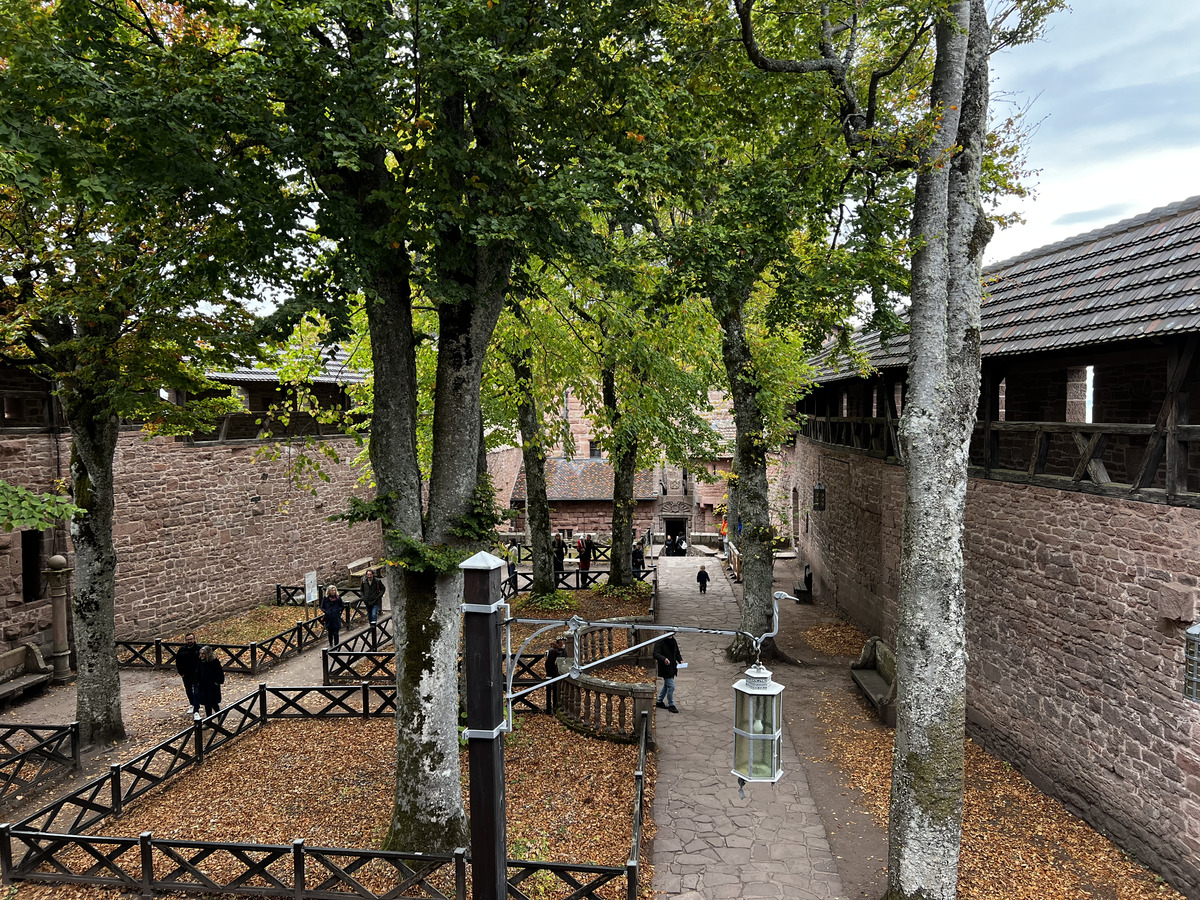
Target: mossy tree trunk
950,232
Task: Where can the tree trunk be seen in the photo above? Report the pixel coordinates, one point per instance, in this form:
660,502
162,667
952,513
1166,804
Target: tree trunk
428,814
758,561
98,693
533,453
951,232
624,463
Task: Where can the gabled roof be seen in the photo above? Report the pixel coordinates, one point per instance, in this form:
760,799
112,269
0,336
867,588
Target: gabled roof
337,371
1133,279
584,479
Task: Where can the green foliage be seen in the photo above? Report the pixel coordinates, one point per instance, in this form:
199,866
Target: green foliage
478,526
639,590
559,601
22,508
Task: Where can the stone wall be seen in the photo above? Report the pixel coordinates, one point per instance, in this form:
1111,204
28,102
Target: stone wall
204,530
589,517
1076,608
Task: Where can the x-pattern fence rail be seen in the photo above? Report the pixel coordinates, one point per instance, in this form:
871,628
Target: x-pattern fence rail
25,766
294,595
50,847
247,658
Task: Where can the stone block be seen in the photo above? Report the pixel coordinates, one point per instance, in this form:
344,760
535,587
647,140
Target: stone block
1176,602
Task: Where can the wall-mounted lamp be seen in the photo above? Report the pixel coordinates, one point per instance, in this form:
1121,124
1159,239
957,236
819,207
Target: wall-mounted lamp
818,503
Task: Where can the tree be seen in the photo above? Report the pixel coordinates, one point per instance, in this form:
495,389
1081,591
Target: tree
950,231
115,261
441,145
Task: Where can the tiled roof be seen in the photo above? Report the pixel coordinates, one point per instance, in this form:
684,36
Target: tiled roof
337,371
1133,279
720,417
584,479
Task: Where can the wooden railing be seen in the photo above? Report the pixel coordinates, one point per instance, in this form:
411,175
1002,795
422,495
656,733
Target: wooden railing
51,847
246,658
23,769
294,595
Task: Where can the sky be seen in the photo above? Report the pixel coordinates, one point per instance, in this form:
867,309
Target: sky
1114,92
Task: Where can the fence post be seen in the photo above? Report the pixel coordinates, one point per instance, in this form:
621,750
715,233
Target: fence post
482,661
198,737
158,653
279,595
76,761
115,782
299,637
298,868
147,864
324,665
6,854
262,701
254,657
366,700
460,872
631,880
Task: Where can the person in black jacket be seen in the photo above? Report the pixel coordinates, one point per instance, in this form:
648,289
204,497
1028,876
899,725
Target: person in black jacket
187,664
560,553
372,595
212,676
668,657
557,651
333,607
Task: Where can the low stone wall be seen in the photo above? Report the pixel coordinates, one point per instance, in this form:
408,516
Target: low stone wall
1076,608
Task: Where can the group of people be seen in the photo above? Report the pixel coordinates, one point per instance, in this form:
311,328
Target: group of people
585,548
201,670
675,546
202,675
334,607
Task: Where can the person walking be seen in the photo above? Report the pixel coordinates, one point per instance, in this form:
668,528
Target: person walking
187,664
638,557
668,657
372,594
212,676
560,552
702,580
557,651
586,550
333,606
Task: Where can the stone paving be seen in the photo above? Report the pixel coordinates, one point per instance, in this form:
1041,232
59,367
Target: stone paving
712,845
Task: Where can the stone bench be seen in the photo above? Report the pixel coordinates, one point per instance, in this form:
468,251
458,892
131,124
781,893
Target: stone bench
875,675
22,669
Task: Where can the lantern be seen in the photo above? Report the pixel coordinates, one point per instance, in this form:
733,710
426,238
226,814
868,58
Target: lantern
757,727
1191,663
818,497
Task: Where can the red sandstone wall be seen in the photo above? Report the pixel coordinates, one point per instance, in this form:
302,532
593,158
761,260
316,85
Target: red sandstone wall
1074,676
203,531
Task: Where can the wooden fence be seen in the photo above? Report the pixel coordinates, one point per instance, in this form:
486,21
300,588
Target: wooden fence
50,846
53,753
246,658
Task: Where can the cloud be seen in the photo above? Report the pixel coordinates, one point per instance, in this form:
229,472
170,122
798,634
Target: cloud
1101,214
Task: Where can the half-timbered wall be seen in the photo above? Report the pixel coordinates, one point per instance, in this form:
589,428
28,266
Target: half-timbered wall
1076,610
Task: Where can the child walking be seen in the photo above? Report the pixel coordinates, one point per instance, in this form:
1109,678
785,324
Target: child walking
702,578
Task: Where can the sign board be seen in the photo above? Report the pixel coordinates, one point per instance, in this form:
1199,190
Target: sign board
310,589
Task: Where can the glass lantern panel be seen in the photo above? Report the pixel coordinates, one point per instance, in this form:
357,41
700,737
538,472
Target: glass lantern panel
741,754
762,762
741,718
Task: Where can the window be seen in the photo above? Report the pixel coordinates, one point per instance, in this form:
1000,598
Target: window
594,450
845,404
1191,664
31,565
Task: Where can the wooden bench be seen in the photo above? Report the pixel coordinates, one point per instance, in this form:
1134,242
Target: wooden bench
875,675
357,569
22,669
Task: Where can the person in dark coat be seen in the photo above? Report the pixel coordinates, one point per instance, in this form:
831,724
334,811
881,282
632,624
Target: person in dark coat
187,664
668,657
212,676
639,557
333,606
587,550
560,553
372,595
557,651
702,580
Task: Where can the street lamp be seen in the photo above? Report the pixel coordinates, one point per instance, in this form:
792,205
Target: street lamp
818,497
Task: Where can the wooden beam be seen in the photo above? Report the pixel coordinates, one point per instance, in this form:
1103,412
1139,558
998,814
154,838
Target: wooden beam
1179,369
1090,462
1041,449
